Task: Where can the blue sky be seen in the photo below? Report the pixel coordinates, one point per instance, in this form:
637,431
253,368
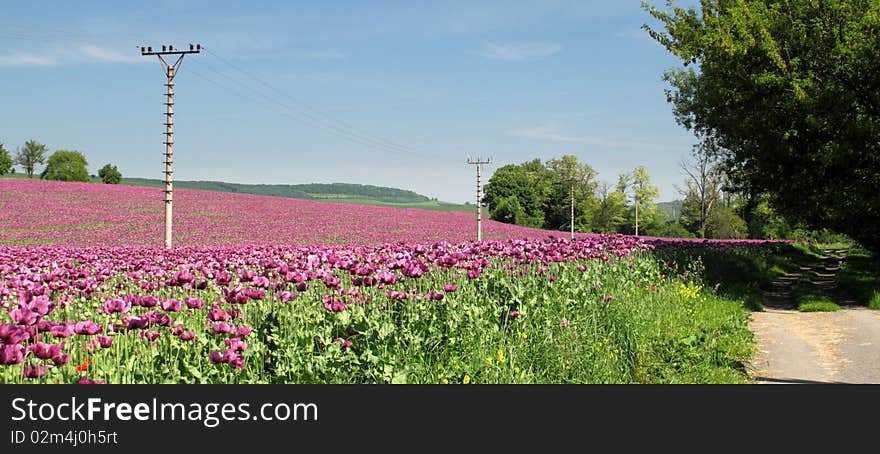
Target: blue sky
392,93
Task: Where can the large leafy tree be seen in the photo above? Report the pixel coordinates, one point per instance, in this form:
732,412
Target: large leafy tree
524,184
109,174
66,165
643,211
611,210
703,183
791,90
5,161
30,155
573,200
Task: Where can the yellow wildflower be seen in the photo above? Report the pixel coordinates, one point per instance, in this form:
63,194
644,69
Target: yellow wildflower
444,381
500,356
467,379
488,361
516,369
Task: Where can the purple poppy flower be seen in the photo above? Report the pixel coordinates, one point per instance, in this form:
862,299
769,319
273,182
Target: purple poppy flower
46,351
287,296
261,281
215,357
222,328
42,326
116,305
61,360
513,314
12,334
345,343
34,371
301,287
194,303
62,330
87,328
432,295
159,318
236,344
449,288
551,278
187,336
24,316
146,301
171,305
474,273
244,331
87,381
105,341
11,354
217,315
137,322
41,305
178,329
607,298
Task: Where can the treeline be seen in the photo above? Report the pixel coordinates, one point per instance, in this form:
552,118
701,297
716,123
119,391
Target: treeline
546,194
62,165
314,191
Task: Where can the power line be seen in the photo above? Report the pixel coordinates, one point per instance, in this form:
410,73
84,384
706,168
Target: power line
318,114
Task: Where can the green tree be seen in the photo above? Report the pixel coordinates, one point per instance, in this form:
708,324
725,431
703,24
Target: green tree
764,222
703,183
5,161
110,174
790,90
66,165
519,183
508,210
30,155
611,210
724,223
574,191
644,193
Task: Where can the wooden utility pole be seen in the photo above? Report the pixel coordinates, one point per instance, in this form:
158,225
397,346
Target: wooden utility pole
170,72
479,163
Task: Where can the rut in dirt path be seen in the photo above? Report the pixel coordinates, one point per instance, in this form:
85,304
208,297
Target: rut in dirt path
817,347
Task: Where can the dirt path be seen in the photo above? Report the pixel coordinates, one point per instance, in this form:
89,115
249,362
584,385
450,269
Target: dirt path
815,347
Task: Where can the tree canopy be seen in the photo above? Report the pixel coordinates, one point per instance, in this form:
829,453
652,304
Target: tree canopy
30,155
66,165
110,174
5,161
791,92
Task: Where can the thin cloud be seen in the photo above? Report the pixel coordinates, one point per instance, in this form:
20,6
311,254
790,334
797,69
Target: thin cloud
26,60
552,134
519,52
104,55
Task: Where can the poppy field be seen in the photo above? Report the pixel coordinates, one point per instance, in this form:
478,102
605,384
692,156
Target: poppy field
270,290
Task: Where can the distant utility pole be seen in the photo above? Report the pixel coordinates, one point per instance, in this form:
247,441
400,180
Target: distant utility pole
479,163
170,72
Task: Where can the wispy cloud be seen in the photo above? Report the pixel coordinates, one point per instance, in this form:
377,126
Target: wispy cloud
550,132
26,60
519,52
69,55
96,53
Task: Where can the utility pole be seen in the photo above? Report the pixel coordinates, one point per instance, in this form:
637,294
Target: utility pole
636,200
479,163
170,72
572,211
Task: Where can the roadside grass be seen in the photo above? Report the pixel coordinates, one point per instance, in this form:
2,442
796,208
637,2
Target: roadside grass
740,273
859,276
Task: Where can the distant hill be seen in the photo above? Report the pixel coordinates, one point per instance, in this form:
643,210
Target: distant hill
672,209
332,192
